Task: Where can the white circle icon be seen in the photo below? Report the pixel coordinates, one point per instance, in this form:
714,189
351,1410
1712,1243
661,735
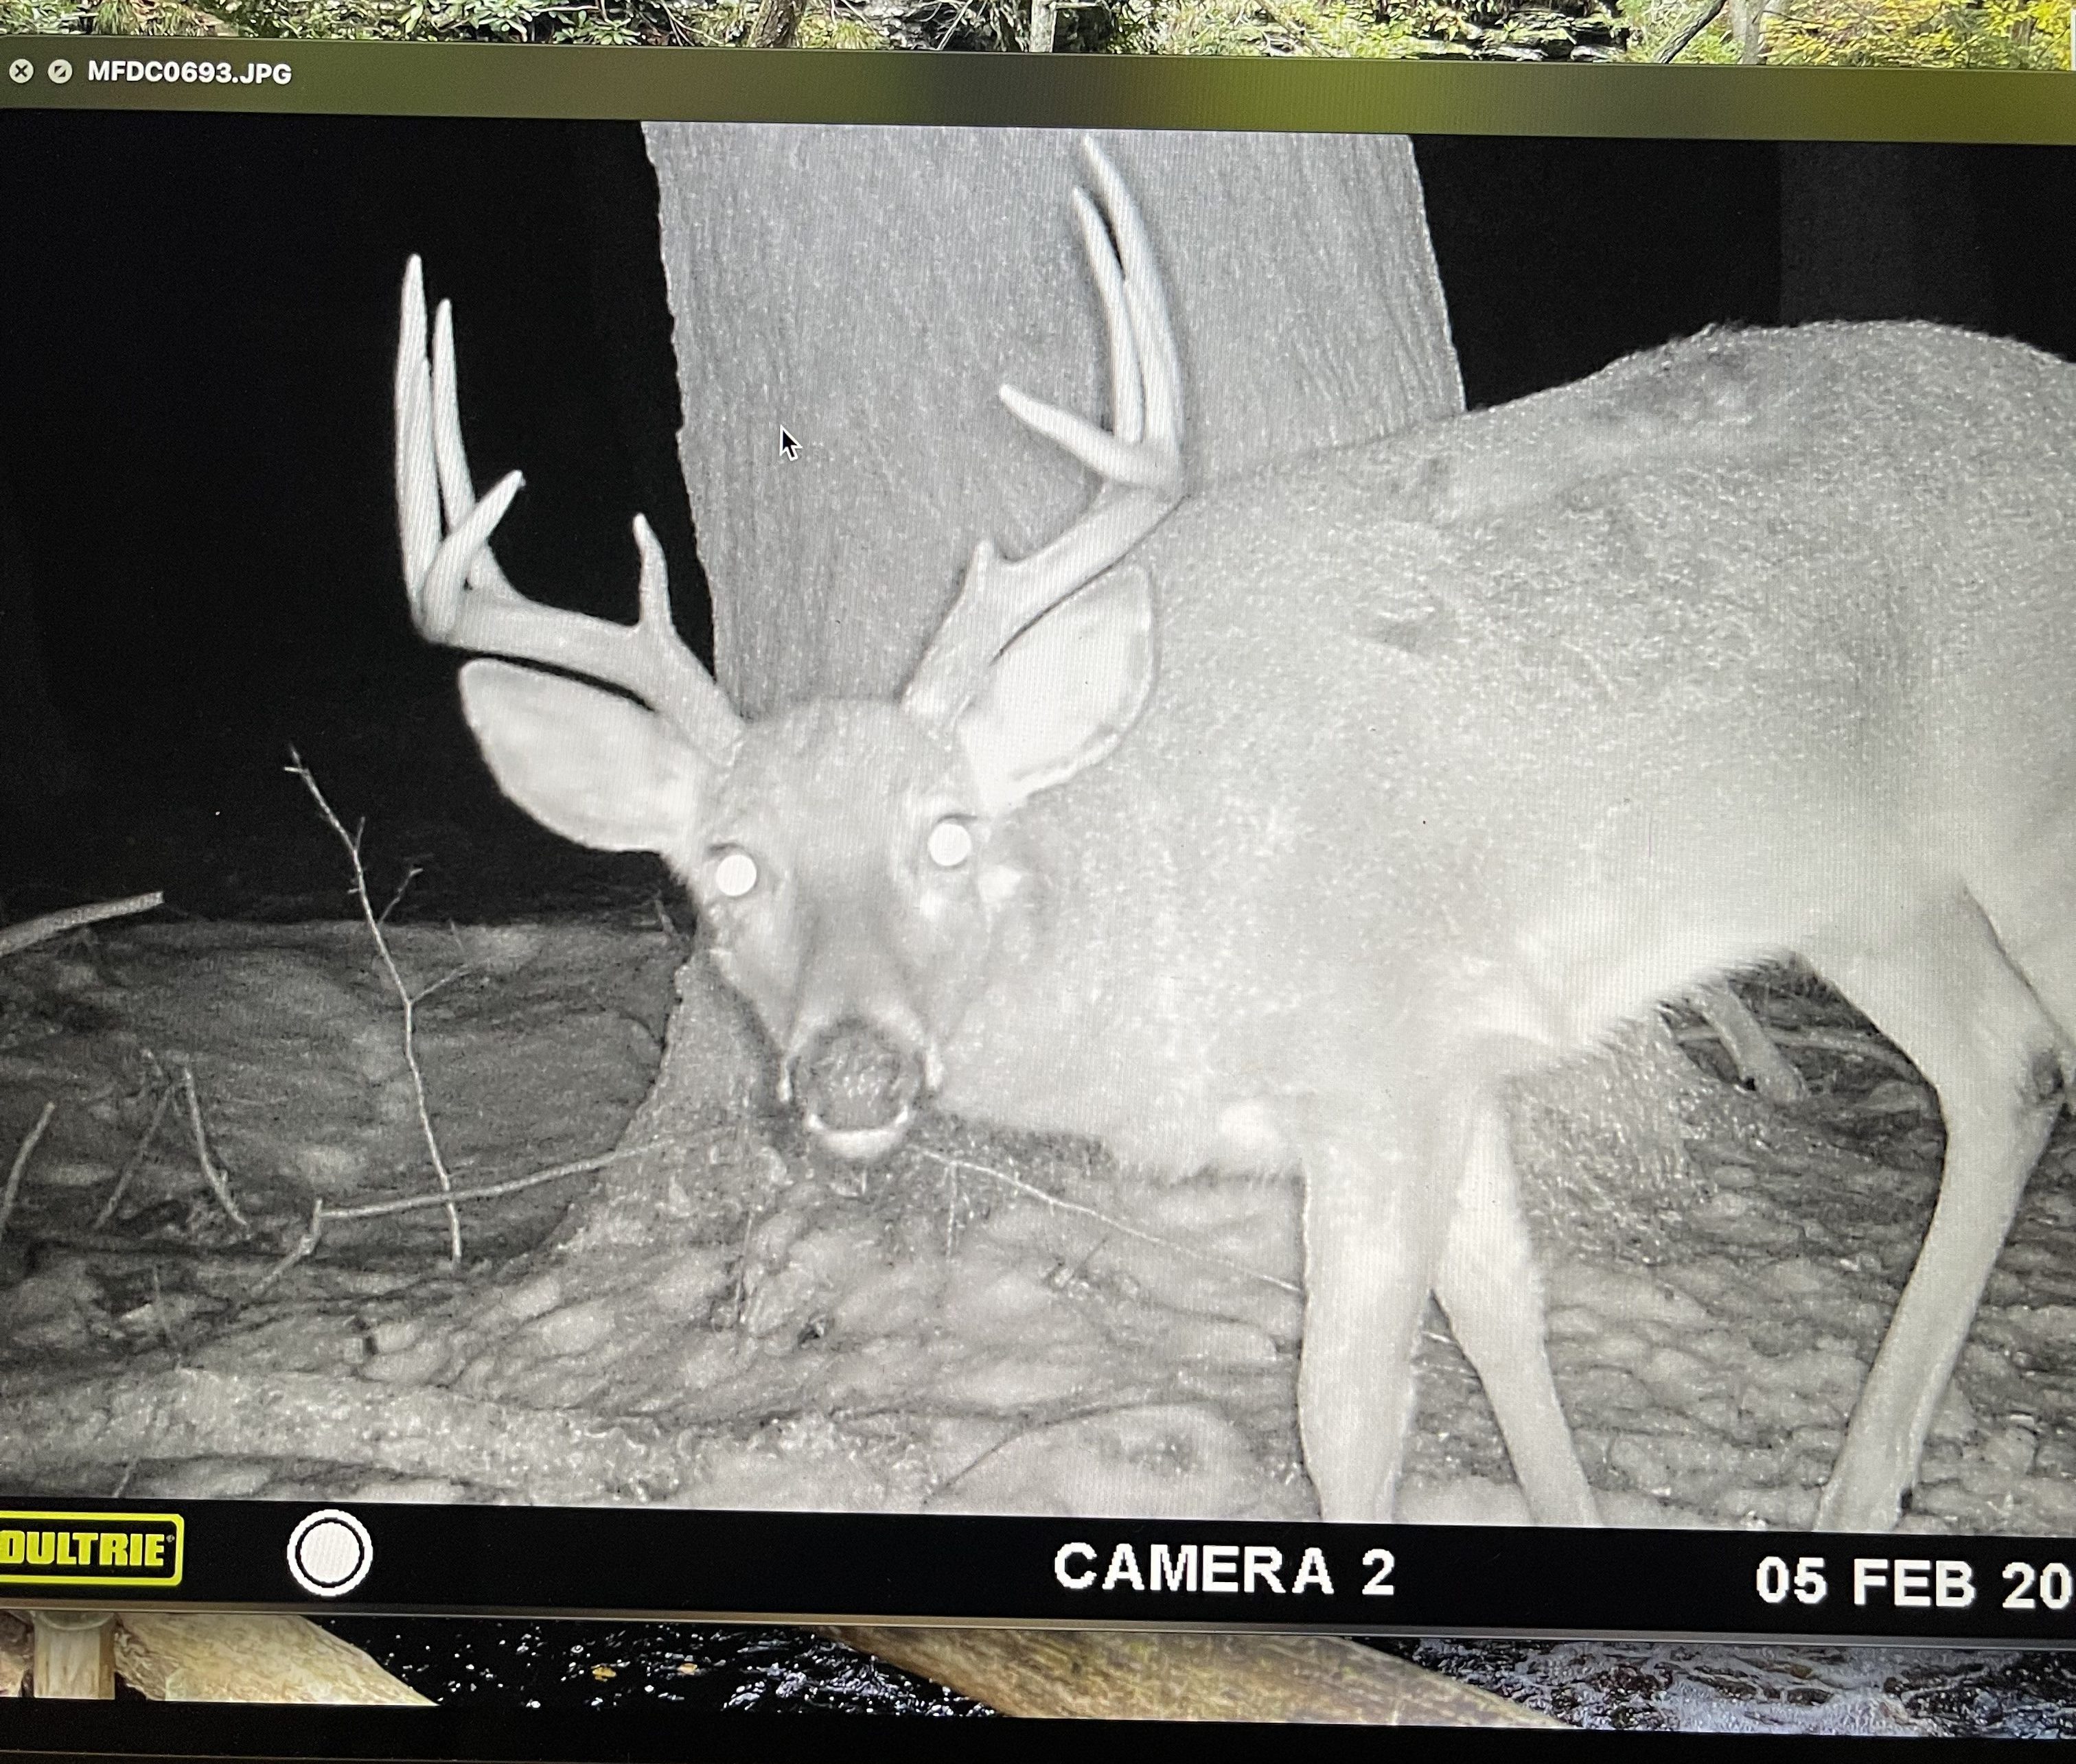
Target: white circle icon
60,71
329,1553
21,73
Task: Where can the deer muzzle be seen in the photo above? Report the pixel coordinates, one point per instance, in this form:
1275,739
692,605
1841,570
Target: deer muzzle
855,1088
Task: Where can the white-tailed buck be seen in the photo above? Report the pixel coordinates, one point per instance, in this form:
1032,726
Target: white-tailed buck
1372,781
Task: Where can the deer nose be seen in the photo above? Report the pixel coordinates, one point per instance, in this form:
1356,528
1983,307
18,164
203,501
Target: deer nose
856,1088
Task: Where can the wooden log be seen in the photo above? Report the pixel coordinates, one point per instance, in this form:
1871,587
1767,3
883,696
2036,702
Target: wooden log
196,1657
17,1652
74,1655
1139,1674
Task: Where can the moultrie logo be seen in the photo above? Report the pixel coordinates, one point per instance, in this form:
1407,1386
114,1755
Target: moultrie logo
91,1549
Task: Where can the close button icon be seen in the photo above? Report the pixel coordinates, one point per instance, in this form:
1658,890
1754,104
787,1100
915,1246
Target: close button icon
329,1553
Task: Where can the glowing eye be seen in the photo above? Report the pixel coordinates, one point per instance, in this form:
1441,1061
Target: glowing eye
951,844
735,874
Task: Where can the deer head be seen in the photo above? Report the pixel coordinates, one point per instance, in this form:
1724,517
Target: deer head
856,864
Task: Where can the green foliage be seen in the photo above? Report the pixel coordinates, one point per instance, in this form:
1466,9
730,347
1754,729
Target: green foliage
1392,29
826,23
1910,33
1922,33
1870,33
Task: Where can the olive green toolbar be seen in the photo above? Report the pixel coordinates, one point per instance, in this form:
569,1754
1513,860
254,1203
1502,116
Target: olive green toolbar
1061,91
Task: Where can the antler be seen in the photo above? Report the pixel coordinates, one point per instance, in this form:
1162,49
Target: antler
459,594
1139,459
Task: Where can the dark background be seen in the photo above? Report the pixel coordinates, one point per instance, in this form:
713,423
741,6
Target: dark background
197,316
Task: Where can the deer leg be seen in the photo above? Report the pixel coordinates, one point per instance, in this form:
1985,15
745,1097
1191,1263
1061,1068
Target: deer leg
1375,1219
1942,989
1491,1288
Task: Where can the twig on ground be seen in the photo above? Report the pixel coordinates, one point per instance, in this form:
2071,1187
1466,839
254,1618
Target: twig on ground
301,1251
46,926
750,1218
1858,1047
1076,1207
491,1191
136,1163
1847,1042
21,1164
351,841
1022,1427
219,1184
306,1246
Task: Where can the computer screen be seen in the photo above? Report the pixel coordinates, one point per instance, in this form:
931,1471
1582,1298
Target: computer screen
1267,844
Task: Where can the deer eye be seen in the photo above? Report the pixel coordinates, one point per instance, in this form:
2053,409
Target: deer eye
950,843
735,874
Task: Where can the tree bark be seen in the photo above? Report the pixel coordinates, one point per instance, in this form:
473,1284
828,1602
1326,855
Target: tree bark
777,24
868,289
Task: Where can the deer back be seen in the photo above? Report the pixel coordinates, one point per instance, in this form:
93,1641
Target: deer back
1469,743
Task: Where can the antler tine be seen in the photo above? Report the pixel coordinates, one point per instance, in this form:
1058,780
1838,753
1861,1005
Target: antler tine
418,498
1139,457
457,483
1141,286
459,596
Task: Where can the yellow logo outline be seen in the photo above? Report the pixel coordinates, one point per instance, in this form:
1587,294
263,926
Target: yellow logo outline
100,1525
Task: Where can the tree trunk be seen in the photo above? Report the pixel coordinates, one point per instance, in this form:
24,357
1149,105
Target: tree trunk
868,289
777,24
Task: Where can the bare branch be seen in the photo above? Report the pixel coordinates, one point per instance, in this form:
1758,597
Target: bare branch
491,1191
45,926
21,1164
219,1184
136,1163
1692,29
408,1005
1117,1225
301,1251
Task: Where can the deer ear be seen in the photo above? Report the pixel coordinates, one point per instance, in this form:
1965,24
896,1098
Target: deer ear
595,768
1064,693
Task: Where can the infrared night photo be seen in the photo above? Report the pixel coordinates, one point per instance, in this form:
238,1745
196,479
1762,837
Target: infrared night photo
1235,826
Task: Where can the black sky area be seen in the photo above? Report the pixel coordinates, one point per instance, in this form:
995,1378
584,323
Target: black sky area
197,316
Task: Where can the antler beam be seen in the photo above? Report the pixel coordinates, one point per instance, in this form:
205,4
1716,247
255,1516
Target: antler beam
1139,457
459,594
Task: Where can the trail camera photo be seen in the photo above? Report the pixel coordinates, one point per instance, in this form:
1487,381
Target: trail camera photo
1338,838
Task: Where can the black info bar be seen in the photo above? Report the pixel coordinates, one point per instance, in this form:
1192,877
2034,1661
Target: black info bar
798,1567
